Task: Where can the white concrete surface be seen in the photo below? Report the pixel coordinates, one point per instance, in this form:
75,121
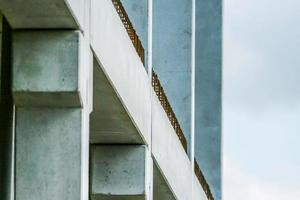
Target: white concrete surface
44,13
119,172
109,120
198,192
171,158
169,154
121,64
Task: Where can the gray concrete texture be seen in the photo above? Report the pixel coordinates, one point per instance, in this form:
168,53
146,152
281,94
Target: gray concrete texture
172,56
121,64
209,91
109,121
41,13
118,172
48,154
161,188
45,68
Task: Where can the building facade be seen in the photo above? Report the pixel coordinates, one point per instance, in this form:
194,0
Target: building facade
110,99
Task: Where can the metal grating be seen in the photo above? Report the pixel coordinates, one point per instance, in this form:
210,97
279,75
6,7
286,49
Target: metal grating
168,109
130,30
160,92
202,181
155,81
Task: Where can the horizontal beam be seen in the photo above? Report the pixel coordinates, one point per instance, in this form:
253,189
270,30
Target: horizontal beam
45,68
40,14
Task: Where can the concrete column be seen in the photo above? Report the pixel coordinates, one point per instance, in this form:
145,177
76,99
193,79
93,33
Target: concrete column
51,112
172,56
208,91
6,112
119,172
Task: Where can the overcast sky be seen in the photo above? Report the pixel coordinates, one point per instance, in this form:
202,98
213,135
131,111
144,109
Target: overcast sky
261,100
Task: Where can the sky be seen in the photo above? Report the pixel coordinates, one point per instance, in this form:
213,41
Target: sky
261,100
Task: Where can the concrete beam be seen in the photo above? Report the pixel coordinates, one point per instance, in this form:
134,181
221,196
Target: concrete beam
110,122
121,64
169,154
43,14
161,189
198,192
46,68
118,172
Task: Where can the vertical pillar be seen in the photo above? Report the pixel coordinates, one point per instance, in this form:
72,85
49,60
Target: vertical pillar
172,56
6,112
50,109
208,91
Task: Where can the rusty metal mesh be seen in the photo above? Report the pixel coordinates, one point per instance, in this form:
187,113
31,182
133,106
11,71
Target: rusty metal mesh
159,91
168,109
155,81
202,181
130,30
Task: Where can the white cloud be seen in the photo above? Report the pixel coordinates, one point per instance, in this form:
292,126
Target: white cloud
238,185
261,53
261,100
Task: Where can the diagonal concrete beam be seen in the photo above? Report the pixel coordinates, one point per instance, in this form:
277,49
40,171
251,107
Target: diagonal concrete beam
110,122
161,188
122,66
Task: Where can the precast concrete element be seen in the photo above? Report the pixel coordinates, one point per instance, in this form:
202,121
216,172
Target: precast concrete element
161,189
46,68
51,95
172,56
44,14
198,192
208,89
170,156
121,64
48,154
118,172
137,11
110,122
